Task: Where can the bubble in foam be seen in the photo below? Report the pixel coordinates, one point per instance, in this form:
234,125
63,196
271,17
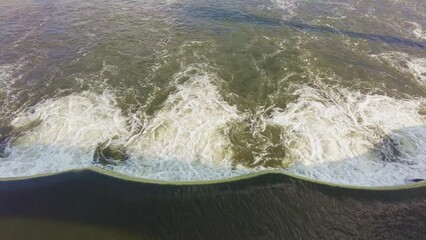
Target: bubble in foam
333,135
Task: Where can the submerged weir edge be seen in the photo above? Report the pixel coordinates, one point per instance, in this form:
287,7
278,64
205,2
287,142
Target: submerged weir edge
243,177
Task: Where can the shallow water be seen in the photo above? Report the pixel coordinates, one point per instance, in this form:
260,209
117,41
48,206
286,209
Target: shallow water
197,90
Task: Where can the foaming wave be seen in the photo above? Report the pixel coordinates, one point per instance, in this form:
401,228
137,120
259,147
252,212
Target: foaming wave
66,132
336,135
184,140
190,126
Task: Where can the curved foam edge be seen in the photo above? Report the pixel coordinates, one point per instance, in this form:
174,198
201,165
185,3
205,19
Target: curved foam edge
243,177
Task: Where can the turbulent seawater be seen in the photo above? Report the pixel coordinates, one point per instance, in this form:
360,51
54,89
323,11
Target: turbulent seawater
194,90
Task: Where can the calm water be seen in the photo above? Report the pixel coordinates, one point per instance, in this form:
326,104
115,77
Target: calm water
90,205
194,90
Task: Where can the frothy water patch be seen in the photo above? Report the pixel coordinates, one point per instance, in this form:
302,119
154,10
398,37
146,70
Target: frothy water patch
329,133
9,74
418,31
407,64
336,135
184,140
66,134
190,126
287,5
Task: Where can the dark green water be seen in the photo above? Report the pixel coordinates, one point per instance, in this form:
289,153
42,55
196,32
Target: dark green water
91,205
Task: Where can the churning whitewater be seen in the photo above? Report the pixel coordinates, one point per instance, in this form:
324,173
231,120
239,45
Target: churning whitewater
198,90
332,134
184,141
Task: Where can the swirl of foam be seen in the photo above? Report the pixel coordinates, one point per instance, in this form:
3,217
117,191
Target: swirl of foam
66,132
334,134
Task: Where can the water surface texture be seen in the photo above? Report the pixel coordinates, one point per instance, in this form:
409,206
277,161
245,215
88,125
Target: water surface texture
96,205
197,90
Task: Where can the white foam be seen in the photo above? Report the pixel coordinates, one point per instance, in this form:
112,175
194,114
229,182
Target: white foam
405,63
332,133
418,67
9,76
287,5
418,31
190,125
184,140
5,75
70,129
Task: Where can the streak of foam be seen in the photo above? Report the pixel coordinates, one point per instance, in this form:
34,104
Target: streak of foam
9,75
405,63
5,75
336,135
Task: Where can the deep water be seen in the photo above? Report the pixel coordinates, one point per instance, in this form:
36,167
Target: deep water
87,204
